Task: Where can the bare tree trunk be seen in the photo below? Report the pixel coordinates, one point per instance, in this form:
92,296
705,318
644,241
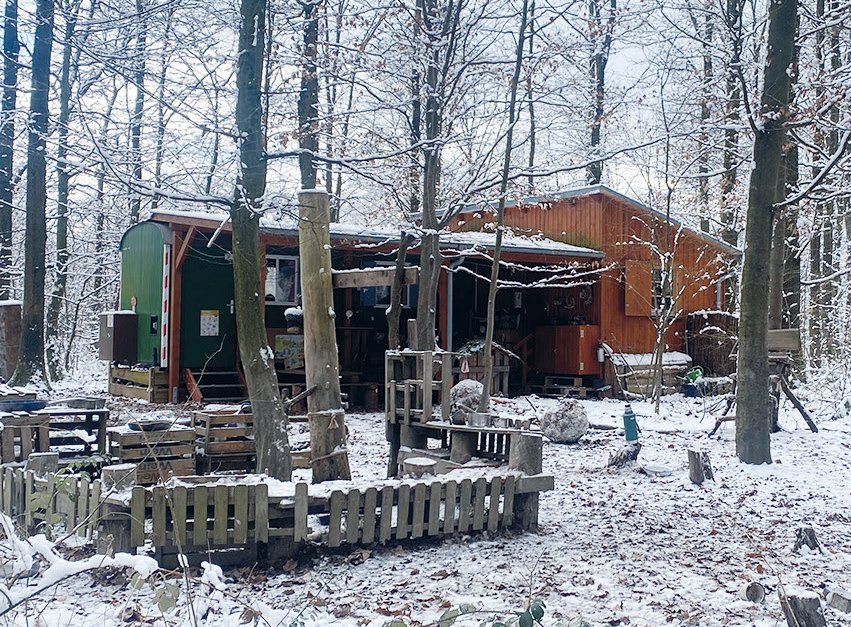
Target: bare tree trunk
729,204
394,312
138,109
11,48
308,97
161,108
487,374
270,420
601,43
31,360
328,456
57,298
753,416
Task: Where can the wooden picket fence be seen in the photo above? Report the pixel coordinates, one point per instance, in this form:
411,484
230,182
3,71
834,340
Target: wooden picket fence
198,520
32,501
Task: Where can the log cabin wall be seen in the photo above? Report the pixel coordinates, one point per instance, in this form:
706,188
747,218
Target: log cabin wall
627,233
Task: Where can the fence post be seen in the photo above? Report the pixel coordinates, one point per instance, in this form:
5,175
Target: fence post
525,453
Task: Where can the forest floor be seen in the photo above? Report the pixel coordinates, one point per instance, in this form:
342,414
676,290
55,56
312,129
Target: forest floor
618,547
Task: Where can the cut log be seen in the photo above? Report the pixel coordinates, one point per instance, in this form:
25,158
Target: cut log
802,611
699,468
695,467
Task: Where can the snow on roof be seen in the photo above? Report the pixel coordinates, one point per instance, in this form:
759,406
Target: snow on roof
467,242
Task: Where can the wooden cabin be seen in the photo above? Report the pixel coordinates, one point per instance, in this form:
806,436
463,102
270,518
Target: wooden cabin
617,306
175,333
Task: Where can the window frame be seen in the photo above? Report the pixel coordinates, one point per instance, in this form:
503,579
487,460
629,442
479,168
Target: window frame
295,291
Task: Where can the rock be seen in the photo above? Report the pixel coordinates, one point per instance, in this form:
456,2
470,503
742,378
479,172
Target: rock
566,423
466,393
840,600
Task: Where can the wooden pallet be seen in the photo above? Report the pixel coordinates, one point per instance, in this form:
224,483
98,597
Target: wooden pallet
156,453
150,384
224,440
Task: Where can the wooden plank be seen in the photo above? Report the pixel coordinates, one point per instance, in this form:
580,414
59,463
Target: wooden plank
449,508
28,491
335,518
385,531
159,453
479,504
508,502
370,502
6,492
300,513
353,516
446,384
537,483
493,503
7,446
220,514
434,508
137,517
199,506
231,432
51,503
244,446
465,505
82,505
403,510
179,501
419,510
94,508
151,438
261,511
371,277
240,514
158,515
26,442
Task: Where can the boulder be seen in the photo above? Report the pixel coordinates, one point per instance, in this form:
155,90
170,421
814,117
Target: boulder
565,423
467,392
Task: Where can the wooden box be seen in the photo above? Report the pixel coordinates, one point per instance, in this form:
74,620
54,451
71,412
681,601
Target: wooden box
225,440
157,454
567,349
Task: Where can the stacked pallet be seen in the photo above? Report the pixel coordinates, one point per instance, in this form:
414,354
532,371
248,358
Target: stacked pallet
158,454
150,384
224,440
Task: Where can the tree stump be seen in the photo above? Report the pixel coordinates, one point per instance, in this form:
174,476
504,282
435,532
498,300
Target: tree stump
802,610
806,536
699,467
463,446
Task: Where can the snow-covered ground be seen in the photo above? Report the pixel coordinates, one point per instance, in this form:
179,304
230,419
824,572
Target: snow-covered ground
618,547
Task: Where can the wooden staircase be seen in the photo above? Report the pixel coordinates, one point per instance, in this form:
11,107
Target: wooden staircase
213,386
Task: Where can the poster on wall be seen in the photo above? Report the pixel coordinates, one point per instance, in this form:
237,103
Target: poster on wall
209,322
289,349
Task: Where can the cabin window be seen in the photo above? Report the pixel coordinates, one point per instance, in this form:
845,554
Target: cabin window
282,280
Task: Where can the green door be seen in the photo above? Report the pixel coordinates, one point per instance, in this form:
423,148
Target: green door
207,322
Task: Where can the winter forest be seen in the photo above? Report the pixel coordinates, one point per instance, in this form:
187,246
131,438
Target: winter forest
112,110
730,117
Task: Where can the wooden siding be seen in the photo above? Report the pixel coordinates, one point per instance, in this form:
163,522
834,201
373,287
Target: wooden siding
625,232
